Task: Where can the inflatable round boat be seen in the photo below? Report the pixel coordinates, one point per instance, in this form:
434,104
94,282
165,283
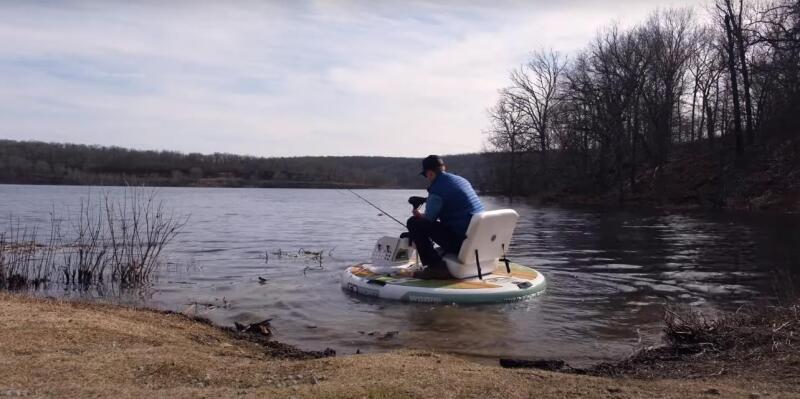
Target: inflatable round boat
499,286
481,270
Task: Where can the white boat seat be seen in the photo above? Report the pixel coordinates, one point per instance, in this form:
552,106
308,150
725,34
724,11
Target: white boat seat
488,237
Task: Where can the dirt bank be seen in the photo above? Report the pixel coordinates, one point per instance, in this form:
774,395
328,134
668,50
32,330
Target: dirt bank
61,349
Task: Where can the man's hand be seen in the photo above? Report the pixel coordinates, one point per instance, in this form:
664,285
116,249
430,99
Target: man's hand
417,213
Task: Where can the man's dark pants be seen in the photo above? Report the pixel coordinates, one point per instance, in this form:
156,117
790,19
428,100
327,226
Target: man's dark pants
424,233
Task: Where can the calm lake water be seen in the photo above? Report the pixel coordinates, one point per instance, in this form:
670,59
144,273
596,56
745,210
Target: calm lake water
609,273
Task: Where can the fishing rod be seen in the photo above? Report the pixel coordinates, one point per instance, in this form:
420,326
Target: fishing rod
376,207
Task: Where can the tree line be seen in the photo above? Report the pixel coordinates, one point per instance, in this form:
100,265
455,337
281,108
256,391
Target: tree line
31,162
718,91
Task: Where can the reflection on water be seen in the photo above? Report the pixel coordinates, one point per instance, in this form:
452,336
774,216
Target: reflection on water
609,273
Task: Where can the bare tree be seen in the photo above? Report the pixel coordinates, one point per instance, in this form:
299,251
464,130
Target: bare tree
731,61
705,70
669,36
736,20
508,135
535,92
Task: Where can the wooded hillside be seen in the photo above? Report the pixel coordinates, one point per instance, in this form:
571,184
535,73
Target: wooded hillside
685,108
29,162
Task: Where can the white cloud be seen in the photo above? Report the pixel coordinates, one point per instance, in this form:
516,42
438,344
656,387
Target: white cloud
349,77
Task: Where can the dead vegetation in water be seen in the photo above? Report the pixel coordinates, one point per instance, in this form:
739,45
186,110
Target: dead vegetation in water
116,239
24,261
762,341
311,260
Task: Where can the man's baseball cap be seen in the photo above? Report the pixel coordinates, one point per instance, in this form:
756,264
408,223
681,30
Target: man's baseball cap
431,162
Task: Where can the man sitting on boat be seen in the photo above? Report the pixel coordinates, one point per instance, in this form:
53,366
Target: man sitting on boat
450,205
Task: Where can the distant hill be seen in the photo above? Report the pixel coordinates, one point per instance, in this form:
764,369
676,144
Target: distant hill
32,162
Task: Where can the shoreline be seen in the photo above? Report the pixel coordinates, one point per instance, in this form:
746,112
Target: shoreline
546,199
58,348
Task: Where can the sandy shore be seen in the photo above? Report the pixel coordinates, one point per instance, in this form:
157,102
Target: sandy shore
63,349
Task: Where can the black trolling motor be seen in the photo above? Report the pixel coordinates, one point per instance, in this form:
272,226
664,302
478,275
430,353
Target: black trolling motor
417,202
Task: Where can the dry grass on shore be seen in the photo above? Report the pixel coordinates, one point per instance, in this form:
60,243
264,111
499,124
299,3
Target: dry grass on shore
64,349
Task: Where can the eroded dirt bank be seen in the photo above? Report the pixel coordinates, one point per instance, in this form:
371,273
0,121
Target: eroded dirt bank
54,348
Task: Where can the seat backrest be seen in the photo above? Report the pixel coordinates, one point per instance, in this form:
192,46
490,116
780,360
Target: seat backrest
488,232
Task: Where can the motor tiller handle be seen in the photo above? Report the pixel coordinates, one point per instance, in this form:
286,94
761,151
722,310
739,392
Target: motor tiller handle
417,202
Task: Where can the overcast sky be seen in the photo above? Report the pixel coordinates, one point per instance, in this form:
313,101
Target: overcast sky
401,78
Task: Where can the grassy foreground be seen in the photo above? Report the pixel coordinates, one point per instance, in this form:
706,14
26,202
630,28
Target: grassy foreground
56,348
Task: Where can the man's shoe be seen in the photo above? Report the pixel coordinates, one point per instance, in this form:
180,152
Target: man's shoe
434,272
